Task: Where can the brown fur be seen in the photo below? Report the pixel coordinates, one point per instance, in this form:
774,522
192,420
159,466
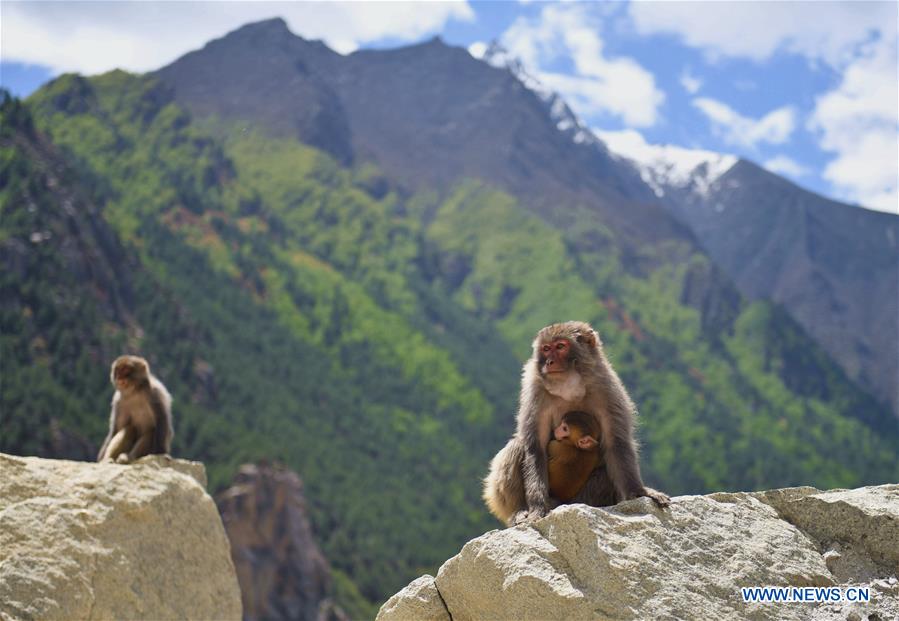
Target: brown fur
140,422
569,466
516,488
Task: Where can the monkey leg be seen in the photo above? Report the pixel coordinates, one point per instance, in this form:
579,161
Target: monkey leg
141,447
598,491
119,444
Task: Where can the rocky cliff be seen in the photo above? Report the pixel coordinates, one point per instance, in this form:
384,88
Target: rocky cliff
634,561
282,572
104,541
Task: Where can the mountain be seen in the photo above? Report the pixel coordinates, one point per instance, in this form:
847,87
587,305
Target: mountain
339,262
834,267
427,115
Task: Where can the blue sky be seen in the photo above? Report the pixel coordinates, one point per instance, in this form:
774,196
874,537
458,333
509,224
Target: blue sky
808,89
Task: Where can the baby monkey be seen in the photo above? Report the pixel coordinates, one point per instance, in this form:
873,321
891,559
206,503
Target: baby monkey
141,419
573,454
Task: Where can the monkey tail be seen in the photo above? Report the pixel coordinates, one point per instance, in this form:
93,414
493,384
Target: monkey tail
503,489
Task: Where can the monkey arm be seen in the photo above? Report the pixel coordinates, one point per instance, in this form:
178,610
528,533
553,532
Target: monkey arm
112,420
620,456
534,429
619,448
622,463
534,472
103,448
120,443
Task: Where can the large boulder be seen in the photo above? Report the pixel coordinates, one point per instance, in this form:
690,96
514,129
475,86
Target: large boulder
690,561
106,541
282,572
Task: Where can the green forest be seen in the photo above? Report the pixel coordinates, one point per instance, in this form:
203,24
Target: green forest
368,336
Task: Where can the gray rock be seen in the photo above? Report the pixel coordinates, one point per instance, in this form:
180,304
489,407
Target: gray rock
105,541
283,574
419,601
862,525
635,561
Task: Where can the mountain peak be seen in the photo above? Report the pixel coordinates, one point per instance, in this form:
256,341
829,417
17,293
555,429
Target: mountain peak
271,25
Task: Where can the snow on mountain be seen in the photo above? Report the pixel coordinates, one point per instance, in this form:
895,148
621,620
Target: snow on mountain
566,120
667,167
662,167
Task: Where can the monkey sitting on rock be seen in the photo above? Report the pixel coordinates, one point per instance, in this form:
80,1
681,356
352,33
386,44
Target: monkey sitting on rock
141,419
568,371
572,455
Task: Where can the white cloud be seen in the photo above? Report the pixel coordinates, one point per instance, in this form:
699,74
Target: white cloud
859,121
785,165
828,31
598,84
690,82
734,128
92,37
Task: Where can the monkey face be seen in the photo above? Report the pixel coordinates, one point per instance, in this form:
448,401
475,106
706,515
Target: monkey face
559,346
562,431
128,372
123,376
554,356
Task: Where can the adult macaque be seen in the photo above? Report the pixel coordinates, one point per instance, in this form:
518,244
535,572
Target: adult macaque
572,454
141,419
568,371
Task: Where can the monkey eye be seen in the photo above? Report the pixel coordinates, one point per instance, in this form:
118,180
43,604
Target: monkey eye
546,348
562,345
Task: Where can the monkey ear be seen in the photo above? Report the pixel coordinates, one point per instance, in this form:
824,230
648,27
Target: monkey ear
588,338
587,443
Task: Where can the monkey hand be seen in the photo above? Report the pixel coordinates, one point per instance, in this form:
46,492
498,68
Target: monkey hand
532,514
525,517
660,498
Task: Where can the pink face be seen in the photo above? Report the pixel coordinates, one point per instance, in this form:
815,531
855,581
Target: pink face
128,373
554,356
562,431
123,375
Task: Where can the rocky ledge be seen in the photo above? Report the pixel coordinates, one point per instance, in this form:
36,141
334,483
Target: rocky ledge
105,541
634,561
